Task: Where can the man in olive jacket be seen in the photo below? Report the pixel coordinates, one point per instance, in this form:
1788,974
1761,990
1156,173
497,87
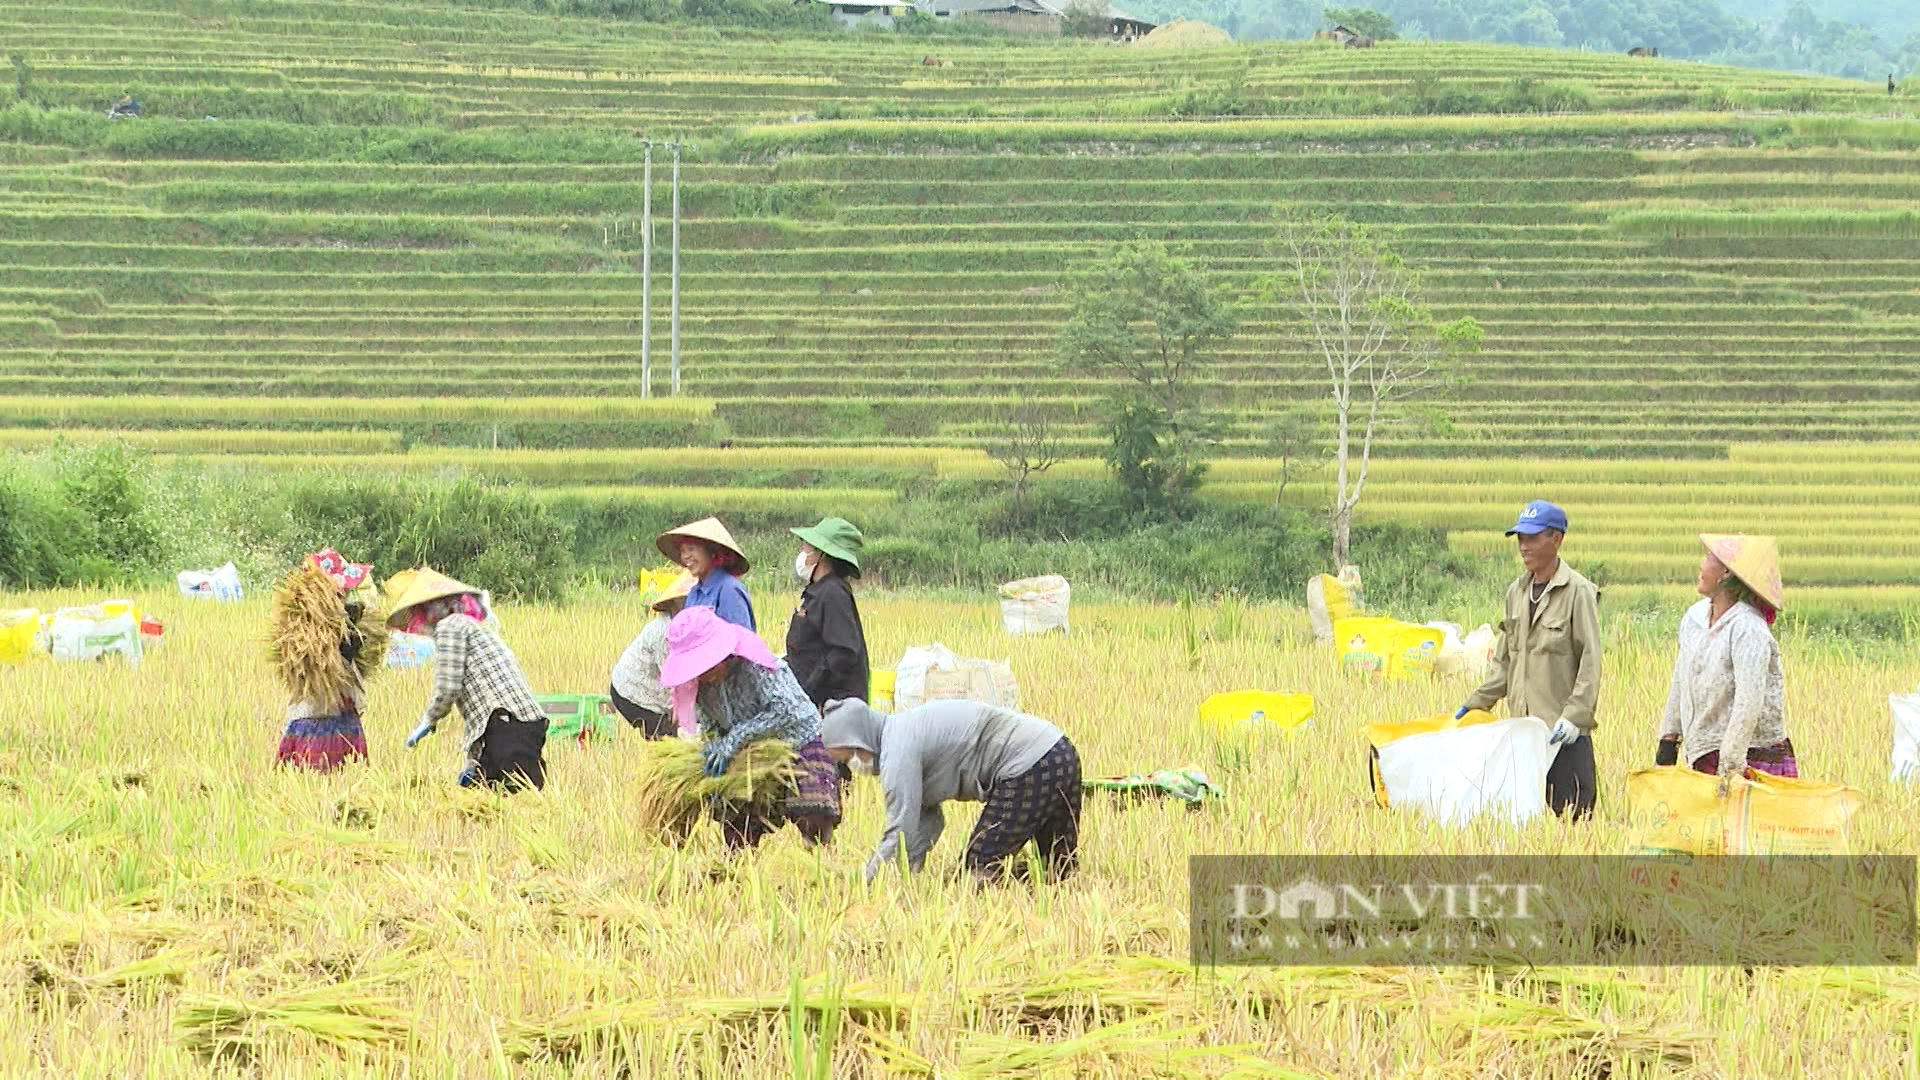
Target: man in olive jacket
1547,664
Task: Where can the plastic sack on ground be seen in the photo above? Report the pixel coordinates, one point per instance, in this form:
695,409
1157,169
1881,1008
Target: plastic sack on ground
932,673
19,630
1035,605
1906,734
409,650
222,584
1678,817
1240,711
1476,652
1386,648
880,689
1331,599
1458,774
95,633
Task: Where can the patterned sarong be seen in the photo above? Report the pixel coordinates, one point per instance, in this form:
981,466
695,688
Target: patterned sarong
323,743
813,806
1777,760
1041,806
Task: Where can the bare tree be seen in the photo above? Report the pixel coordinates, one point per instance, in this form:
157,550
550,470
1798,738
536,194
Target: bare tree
1361,308
1024,443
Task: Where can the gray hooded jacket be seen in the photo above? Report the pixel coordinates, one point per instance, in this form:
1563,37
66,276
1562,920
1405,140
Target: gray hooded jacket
950,749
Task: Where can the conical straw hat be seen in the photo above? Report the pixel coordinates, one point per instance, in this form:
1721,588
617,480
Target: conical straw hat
677,589
708,529
1755,560
411,588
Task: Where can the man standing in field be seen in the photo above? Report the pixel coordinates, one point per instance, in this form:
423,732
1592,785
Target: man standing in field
1547,664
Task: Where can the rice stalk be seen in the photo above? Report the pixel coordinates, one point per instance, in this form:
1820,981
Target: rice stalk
343,1015
673,786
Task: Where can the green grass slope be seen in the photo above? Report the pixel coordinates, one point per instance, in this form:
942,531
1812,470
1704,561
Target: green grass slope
331,207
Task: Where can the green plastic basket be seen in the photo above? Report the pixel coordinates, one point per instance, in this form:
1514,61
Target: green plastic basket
585,717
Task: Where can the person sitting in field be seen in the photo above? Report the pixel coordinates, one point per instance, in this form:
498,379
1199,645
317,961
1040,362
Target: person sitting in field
636,691
1023,768
1726,706
326,643
725,677
709,552
474,671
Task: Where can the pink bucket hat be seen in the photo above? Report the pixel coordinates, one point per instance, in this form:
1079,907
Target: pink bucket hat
698,640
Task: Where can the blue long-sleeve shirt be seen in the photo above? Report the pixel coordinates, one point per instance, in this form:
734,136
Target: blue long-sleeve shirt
723,592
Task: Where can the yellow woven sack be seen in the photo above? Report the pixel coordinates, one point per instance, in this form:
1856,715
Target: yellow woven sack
1415,651
1379,735
1677,817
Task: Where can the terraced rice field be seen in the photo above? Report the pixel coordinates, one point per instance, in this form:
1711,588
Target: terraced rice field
412,229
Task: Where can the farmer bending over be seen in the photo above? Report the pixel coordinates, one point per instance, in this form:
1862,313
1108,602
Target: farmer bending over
1022,767
506,729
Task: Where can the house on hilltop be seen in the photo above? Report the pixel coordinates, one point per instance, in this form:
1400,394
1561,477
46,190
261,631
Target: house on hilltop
1036,16
858,13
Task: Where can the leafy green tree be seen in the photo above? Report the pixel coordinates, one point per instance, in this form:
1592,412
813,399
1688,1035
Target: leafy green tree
1153,319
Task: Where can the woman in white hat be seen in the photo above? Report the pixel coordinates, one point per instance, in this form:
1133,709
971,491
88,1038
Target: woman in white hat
709,552
474,671
1726,708
636,691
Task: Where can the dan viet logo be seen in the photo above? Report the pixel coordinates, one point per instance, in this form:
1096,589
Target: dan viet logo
1310,914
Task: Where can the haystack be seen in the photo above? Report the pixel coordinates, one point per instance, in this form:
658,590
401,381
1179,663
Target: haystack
1185,34
310,622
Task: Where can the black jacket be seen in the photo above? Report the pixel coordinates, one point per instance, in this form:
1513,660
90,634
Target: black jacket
826,648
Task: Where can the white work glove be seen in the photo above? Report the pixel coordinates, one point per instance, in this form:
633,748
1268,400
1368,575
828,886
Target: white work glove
1563,732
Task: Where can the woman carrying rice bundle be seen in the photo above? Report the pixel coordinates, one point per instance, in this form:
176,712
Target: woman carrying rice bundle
327,641
475,671
1726,708
725,677
709,552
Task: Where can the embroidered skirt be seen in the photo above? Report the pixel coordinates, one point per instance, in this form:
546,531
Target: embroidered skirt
1777,760
813,805
323,743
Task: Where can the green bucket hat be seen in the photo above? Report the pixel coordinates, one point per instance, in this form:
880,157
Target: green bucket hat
836,537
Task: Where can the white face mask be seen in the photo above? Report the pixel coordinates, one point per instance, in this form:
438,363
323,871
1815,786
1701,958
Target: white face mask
860,766
803,568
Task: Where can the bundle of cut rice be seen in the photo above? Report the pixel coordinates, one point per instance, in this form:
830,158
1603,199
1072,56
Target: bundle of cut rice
674,786
310,621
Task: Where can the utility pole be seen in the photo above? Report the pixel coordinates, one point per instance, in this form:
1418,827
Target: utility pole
646,274
676,266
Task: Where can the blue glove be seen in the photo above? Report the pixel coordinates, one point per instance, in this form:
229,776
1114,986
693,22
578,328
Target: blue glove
1563,732
717,759
469,776
1461,713
425,729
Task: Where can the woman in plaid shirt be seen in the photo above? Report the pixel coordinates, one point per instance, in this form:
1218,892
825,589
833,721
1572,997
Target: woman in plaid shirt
475,672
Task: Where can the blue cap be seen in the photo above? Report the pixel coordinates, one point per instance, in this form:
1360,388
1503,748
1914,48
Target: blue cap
1538,517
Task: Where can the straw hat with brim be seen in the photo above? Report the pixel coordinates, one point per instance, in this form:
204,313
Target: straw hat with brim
708,529
836,537
1755,560
421,586
676,590
698,640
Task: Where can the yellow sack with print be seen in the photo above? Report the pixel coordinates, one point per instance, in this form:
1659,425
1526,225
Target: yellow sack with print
1677,817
